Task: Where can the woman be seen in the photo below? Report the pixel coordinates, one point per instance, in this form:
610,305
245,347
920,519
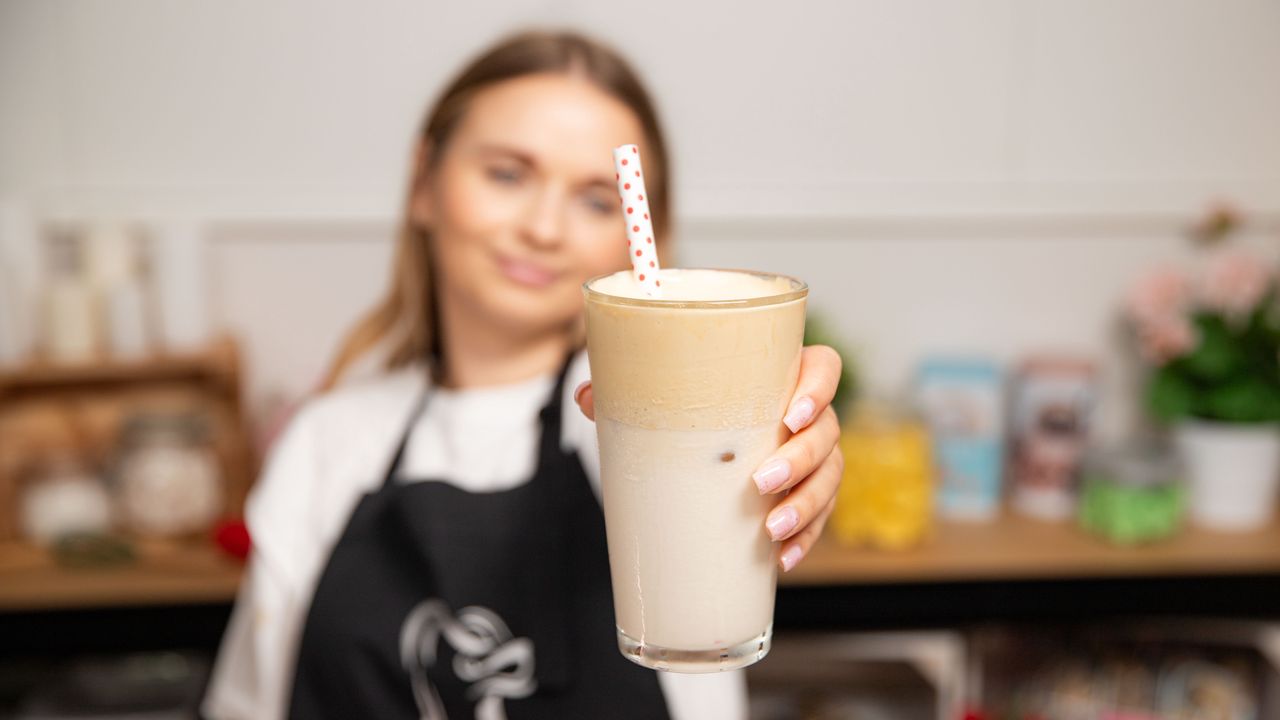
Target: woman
403,543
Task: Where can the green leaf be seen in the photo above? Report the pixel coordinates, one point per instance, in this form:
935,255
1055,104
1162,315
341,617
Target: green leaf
817,331
1218,354
1170,395
1247,399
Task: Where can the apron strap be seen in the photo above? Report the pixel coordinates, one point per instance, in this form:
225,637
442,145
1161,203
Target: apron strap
418,406
550,414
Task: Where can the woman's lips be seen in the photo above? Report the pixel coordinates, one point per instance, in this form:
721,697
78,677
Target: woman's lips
526,273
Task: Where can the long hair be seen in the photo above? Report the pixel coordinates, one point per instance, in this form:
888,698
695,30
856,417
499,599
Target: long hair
405,321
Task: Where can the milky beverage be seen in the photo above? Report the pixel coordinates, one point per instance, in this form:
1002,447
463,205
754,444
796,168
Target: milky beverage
690,391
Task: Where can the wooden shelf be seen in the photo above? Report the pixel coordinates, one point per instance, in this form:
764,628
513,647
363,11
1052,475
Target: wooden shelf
163,574
81,408
216,363
1010,549
1016,548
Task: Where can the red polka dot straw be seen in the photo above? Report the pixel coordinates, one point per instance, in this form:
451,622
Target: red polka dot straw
644,261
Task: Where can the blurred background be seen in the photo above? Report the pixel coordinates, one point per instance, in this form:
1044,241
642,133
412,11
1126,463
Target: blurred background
1043,235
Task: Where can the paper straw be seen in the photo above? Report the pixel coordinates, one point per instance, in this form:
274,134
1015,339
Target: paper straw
635,211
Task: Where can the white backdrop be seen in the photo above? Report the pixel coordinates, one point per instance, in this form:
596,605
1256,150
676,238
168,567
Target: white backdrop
973,175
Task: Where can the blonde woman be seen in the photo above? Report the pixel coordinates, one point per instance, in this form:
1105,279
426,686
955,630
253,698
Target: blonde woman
428,542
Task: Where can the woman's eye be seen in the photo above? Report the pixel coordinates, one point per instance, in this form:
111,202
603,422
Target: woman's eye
602,204
505,175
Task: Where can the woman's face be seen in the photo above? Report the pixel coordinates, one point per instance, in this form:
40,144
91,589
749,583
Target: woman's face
522,202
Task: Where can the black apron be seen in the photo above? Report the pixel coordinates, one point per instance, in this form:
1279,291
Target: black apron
440,603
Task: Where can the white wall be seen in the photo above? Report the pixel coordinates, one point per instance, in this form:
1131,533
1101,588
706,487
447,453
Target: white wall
983,174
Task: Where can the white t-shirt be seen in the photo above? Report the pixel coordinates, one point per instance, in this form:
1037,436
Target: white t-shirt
337,449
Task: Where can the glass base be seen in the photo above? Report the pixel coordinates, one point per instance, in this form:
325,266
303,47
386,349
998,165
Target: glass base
711,660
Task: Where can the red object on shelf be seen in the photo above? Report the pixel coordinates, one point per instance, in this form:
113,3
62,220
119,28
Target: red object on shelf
233,537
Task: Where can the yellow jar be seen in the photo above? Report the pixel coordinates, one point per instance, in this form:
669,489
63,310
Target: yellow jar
886,497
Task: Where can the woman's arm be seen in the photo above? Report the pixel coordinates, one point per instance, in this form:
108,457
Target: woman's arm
249,680
254,670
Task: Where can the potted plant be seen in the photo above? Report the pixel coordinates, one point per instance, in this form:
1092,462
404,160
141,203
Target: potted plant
1212,340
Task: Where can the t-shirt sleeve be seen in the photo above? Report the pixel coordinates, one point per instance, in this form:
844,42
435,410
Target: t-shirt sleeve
254,670
577,432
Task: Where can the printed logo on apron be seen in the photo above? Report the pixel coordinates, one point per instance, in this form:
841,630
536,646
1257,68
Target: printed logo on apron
498,665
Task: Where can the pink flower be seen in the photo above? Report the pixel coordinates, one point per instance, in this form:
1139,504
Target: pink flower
1158,305
1234,283
1166,338
1158,295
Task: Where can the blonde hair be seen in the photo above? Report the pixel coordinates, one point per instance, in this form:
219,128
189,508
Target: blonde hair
407,317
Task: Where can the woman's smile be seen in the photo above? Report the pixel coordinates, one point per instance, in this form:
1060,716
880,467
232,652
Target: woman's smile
526,272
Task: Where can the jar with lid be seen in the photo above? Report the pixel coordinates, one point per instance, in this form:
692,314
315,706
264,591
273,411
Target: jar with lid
62,497
167,480
1132,493
886,496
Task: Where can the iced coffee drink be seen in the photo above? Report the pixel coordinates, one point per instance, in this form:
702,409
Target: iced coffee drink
690,390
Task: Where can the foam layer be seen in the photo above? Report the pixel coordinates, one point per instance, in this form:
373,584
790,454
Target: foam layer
680,367
696,285
705,370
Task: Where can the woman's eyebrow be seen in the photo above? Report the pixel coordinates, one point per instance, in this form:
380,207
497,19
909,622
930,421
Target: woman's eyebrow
506,151
599,181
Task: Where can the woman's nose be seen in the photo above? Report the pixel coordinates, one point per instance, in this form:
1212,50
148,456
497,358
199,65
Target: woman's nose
543,223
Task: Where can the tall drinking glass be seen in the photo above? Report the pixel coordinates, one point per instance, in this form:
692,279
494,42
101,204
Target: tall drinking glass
690,391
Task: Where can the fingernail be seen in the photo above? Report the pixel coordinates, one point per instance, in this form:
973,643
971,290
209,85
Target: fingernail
577,392
782,521
772,474
800,414
791,557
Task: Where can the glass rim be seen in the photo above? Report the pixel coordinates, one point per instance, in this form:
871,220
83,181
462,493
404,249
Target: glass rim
799,290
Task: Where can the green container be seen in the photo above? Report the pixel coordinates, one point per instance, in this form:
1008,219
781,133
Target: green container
1132,494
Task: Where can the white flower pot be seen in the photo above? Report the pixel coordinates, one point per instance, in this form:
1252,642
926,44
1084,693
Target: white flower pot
1233,472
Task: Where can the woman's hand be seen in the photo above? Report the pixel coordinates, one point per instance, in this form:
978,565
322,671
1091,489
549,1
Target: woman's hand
805,472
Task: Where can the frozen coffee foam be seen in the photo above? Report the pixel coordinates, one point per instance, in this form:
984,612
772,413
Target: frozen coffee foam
681,367
696,285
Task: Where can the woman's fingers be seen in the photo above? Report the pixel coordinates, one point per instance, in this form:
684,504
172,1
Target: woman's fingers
804,504
794,550
819,374
800,455
810,464
582,395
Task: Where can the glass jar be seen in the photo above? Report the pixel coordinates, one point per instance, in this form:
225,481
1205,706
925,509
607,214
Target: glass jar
1133,493
1052,407
886,496
168,481
62,498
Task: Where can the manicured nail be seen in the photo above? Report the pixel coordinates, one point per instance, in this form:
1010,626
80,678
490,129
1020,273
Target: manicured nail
772,474
782,521
577,392
800,414
791,557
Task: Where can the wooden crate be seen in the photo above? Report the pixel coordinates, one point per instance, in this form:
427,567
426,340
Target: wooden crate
80,409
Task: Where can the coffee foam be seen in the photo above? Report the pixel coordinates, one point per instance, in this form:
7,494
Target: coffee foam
667,366
695,285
